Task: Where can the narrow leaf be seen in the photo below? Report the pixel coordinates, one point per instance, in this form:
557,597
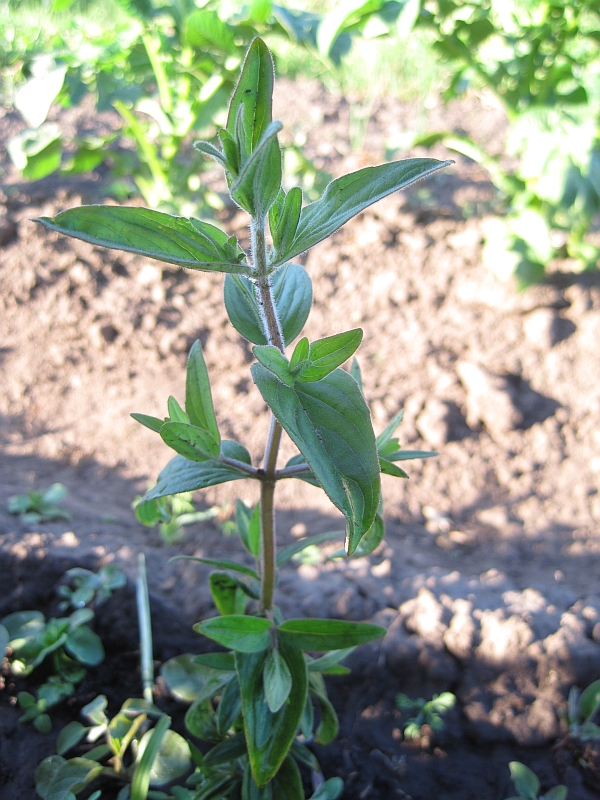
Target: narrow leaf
230,706
198,397
347,196
141,777
300,354
176,412
243,634
330,424
301,544
287,783
277,680
273,359
223,563
191,442
391,469
284,221
219,661
327,354
175,240
269,735
259,179
408,455
327,634
385,435
356,374
226,752
154,423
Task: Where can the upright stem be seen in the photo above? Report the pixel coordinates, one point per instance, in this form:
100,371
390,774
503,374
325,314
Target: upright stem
267,485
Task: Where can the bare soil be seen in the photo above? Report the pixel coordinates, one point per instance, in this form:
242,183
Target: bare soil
487,579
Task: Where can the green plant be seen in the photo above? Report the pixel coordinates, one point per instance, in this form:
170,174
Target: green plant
542,63
90,588
527,785
426,712
171,514
35,507
581,710
267,679
134,753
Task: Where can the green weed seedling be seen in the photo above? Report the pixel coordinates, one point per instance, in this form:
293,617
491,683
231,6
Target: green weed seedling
171,514
581,710
90,588
266,687
35,507
527,785
426,713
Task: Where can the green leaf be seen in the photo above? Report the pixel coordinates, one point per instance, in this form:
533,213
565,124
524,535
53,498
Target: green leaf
191,442
175,240
372,538
176,412
23,626
329,660
273,359
219,661
327,634
241,633
391,469
201,721
70,736
198,398
250,791
223,563
301,544
206,30
277,680
557,793
251,101
182,475
269,735
356,374
409,455
230,706
172,759
141,778
58,779
328,726
190,681
330,424
228,594
330,790
327,354
308,718
225,752
284,217
258,181
347,196
299,355
154,423
85,646
386,435
526,782
589,701
287,783
292,293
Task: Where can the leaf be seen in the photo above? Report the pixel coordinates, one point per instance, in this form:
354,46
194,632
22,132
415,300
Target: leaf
330,790
188,680
176,412
175,240
327,634
269,735
191,442
329,660
292,294
327,354
85,646
230,706
356,374
182,475
224,752
287,783
386,435
251,101
198,398
300,354
284,218
141,776
228,594
301,544
557,793
273,359
409,455
220,661
243,634
328,726
330,424
201,721
277,680
589,701
224,563
526,782
172,759
23,626
391,469
259,180
250,791
372,538
154,423
206,30
347,196
58,779
70,736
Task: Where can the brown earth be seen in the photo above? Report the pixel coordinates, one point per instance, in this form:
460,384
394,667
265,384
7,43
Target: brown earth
488,575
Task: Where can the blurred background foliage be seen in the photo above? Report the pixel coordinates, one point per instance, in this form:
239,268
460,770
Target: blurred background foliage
167,69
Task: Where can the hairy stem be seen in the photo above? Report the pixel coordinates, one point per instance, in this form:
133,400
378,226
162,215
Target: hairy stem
267,487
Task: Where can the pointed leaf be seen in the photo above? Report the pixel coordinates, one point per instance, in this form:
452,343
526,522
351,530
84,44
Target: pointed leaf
176,412
201,721
589,700
225,752
175,240
223,563
327,634
182,475
526,782
283,219
277,680
141,778
269,735
191,442
301,544
347,196
198,397
154,423
287,783
391,469
228,595
330,790
408,455
220,661
250,791
356,374
385,435
330,424
251,101
292,293
327,354
230,706
208,149
273,359
299,355
241,633
372,538
329,660
258,182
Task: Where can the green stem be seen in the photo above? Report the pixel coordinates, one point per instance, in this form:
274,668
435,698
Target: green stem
267,486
